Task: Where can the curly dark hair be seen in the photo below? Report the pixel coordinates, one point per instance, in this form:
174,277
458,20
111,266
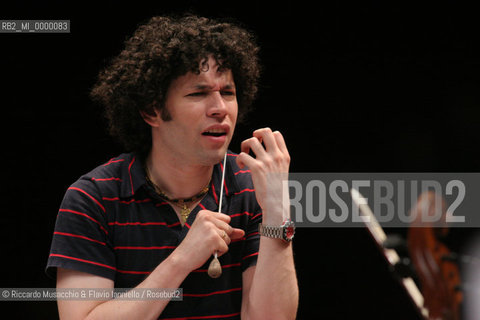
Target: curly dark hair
157,53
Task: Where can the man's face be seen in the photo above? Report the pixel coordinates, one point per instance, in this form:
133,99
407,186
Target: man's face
203,110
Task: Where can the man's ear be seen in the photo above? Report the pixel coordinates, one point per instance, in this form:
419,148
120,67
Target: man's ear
151,116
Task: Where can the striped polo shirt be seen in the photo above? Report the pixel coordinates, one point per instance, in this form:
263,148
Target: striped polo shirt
112,224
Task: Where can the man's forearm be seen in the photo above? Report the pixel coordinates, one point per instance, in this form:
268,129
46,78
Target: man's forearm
274,290
167,275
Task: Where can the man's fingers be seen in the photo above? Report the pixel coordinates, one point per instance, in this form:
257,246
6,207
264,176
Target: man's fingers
222,249
265,135
221,222
237,234
253,144
273,145
280,142
244,159
227,239
207,214
224,235
223,226
228,233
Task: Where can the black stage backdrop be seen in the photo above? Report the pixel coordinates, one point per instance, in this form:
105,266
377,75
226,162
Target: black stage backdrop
354,87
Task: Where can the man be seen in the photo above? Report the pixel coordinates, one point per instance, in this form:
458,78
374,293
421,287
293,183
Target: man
149,218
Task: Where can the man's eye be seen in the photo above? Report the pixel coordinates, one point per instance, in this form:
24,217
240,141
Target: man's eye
196,94
228,93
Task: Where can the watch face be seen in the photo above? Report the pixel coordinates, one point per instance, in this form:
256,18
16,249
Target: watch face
289,230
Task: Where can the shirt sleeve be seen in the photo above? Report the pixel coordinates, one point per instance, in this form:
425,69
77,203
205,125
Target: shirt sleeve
252,238
80,240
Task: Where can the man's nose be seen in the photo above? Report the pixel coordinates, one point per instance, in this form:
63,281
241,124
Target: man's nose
216,106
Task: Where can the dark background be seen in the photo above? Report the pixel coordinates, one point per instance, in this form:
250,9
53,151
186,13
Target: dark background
354,87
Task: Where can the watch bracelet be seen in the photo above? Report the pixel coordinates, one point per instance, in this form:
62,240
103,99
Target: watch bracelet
270,231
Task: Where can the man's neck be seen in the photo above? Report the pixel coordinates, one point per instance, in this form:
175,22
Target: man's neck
177,178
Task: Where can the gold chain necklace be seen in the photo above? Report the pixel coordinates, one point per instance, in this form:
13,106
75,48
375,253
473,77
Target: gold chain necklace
181,203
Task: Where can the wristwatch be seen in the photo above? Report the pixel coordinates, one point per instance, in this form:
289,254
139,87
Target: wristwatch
285,232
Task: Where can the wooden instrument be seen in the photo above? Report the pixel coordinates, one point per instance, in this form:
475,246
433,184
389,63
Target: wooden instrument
434,263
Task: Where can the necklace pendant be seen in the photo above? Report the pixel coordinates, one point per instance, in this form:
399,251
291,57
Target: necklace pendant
184,213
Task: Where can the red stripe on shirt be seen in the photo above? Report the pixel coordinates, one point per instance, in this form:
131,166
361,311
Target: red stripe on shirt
173,224
211,293
133,272
144,248
136,201
82,260
245,190
225,186
241,214
161,204
142,224
106,179
99,264
84,192
127,201
214,193
116,223
202,206
205,317
251,234
250,255
241,171
78,236
86,216
130,173
256,216
113,161
224,182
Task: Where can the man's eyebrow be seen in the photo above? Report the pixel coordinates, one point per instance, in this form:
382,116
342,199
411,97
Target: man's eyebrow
229,86
201,86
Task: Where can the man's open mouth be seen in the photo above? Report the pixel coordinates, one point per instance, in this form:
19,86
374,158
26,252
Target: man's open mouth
214,133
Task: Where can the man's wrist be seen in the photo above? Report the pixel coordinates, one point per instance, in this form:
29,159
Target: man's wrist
175,263
275,217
